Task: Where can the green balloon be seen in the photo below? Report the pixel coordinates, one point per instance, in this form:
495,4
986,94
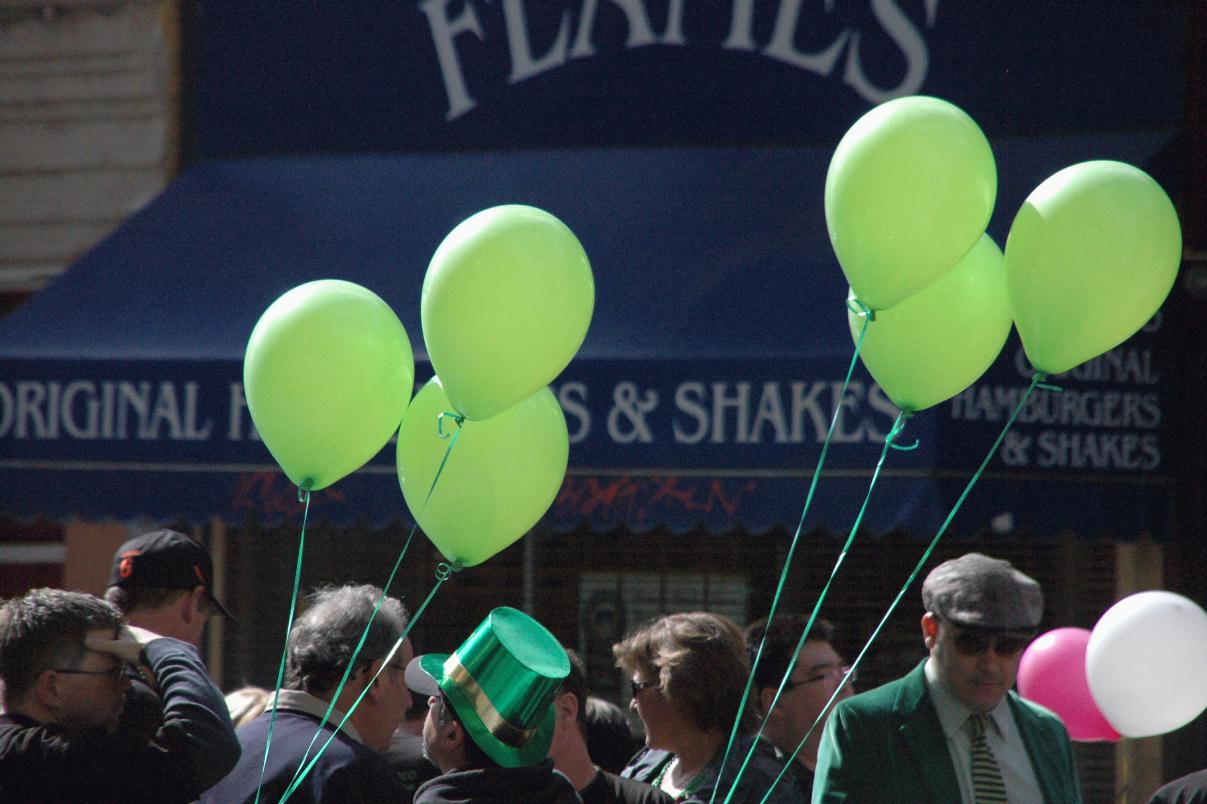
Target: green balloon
909,191
327,375
939,341
506,303
1091,256
500,478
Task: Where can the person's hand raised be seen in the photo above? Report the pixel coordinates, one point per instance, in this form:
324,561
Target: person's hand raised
127,646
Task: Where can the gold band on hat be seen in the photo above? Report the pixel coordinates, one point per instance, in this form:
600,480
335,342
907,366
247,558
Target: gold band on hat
484,708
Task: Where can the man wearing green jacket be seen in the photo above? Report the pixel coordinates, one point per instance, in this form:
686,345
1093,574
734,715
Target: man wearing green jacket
952,729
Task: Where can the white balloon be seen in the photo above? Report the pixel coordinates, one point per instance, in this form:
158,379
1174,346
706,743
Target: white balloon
1145,663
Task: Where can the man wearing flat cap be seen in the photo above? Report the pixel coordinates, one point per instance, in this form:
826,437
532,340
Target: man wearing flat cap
952,729
490,715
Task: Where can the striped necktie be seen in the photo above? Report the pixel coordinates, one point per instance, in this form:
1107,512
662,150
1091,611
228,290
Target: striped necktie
987,785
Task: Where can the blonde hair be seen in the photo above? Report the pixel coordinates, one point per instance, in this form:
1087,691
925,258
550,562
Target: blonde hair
247,703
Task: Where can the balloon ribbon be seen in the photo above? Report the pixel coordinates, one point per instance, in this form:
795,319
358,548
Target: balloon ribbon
303,497
868,317
304,768
1037,381
889,440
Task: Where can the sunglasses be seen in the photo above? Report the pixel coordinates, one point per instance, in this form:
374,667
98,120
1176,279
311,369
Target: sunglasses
978,643
638,686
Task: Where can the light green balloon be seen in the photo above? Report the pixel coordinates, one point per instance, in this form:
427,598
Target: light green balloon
501,476
909,191
506,303
1091,256
939,341
327,375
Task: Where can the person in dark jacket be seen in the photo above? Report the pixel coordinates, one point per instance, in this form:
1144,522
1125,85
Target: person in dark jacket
490,716
688,671
569,749
62,662
811,681
162,581
350,768
1188,789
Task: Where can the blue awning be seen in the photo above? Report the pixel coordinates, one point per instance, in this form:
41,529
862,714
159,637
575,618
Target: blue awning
700,397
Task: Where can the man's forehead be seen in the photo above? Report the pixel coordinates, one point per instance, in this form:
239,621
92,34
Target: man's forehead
816,655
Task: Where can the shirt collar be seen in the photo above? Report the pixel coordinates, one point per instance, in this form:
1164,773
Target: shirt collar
299,701
953,714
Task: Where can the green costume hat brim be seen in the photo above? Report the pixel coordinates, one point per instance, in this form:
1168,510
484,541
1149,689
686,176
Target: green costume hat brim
529,754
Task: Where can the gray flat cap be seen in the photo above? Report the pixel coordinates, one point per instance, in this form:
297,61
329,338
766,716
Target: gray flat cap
977,591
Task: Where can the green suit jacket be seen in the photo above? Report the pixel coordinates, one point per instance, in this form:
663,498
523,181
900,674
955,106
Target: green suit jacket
887,745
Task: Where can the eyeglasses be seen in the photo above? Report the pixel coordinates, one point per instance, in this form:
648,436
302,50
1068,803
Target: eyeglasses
638,686
970,642
833,671
115,672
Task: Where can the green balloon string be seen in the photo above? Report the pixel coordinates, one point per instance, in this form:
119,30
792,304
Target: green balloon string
299,773
443,573
1036,382
897,428
869,316
303,497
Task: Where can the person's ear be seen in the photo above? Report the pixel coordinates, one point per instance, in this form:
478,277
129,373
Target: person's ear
46,690
370,673
766,696
190,604
930,630
454,736
566,706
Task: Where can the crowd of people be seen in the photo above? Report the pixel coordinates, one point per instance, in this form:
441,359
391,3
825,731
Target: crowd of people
108,700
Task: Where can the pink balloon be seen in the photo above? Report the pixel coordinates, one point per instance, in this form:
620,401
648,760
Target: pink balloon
1052,673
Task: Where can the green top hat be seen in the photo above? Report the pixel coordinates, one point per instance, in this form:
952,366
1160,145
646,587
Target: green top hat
501,683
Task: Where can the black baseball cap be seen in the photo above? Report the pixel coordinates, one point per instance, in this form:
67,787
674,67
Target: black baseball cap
165,559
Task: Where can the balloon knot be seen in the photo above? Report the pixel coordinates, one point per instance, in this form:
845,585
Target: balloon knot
304,489
445,570
859,308
456,417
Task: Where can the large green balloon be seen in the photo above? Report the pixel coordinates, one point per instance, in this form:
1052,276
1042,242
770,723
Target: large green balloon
327,374
500,478
937,342
506,303
1092,254
909,191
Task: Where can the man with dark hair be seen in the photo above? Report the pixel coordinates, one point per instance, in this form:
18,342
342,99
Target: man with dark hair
610,740
952,729
350,767
816,674
62,662
490,716
162,581
569,749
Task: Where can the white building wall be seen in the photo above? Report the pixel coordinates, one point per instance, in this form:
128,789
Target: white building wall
87,111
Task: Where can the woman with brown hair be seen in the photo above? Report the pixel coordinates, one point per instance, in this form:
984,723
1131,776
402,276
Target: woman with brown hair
688,672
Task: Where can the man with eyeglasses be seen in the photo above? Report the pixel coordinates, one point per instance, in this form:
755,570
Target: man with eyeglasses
952,729
794,724
350,768
63,657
